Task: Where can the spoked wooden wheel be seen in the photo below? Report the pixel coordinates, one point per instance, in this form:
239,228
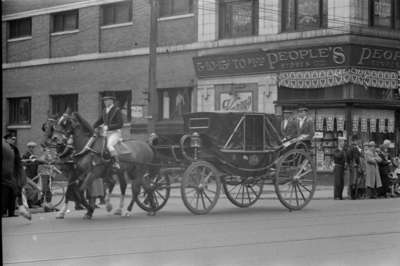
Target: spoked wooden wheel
242,191
200,187
295,179
154,192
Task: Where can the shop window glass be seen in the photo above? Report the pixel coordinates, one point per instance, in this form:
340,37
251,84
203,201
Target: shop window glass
175,7
174,103
59,103
20,28
116,13
65,21
238,18
397,14
302,15
123,101
19,111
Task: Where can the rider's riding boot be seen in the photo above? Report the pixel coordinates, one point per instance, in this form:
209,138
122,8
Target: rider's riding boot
116,162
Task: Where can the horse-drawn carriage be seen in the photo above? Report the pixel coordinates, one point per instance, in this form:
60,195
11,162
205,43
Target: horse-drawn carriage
237,153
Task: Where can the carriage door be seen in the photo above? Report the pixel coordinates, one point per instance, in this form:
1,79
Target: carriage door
254,132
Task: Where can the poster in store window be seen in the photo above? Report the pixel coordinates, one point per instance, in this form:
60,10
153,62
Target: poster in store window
372,125
236,101
363,125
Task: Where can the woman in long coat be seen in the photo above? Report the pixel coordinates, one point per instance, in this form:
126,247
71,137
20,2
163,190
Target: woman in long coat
372,176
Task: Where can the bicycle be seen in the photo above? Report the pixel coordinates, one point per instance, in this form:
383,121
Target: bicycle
34,188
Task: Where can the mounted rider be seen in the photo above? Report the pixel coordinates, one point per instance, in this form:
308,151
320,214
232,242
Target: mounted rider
112,122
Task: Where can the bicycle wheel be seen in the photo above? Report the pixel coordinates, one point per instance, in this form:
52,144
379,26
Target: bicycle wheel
57,194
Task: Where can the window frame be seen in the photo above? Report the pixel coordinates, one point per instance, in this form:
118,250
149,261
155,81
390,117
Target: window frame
395,8
64,15
160,92
59,97
222,33
14,102
18,34
171,12
114,7
323,20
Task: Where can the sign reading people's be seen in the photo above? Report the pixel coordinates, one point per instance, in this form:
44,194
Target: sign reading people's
258,62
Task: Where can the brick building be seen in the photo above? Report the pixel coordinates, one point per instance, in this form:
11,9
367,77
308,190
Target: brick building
338,57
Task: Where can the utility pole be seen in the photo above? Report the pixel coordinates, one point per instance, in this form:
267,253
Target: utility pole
152,88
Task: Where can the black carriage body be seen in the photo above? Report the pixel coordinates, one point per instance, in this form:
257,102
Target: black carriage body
243,144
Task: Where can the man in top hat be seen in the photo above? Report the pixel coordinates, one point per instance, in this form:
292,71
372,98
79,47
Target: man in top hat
305,125
288,125
111,120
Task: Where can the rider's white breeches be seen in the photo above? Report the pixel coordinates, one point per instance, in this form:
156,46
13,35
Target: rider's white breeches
113,137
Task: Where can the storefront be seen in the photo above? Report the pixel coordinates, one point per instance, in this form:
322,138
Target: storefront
350,89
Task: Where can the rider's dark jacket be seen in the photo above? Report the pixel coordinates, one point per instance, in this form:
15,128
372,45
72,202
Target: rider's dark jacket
113,119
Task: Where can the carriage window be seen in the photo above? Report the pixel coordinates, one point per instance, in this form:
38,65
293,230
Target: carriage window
59,103
124,102
174,103
19,111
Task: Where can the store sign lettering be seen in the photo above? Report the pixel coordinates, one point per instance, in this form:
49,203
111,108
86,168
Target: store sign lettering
239,101
377,57
257,62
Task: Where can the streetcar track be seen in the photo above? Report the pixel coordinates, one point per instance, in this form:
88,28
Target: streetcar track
135,226
256,243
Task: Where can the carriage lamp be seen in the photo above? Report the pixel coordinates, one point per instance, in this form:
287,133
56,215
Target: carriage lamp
195,143
195,140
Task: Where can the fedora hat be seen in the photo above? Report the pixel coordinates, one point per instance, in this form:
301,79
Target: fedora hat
109,96
371,144
302,108
31,144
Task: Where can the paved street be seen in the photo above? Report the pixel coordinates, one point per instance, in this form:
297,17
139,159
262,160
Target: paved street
327,232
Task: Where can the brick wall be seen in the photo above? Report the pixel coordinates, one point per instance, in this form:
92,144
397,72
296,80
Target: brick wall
40,37
89,30
88,79
117,39
19,50
4,41
176,31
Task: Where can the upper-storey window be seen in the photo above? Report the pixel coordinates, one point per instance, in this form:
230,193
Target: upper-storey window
20,28
116,13
175,7
385,13
238,18
66,21
19,111
302,15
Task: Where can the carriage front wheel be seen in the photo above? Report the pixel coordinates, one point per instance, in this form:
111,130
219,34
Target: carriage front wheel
200,187
154,191
295,179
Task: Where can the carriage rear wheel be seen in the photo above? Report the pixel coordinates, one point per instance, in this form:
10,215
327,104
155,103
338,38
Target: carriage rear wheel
295,179
200,187
154,191
243,191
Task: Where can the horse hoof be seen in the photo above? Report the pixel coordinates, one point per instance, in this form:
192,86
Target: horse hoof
127,214
109,207
87,216
118,211
25,213
60,215
151,213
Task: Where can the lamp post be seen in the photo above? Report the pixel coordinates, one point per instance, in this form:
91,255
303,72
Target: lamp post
152,88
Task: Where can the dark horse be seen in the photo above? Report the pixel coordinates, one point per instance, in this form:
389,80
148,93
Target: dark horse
91,162
12,181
